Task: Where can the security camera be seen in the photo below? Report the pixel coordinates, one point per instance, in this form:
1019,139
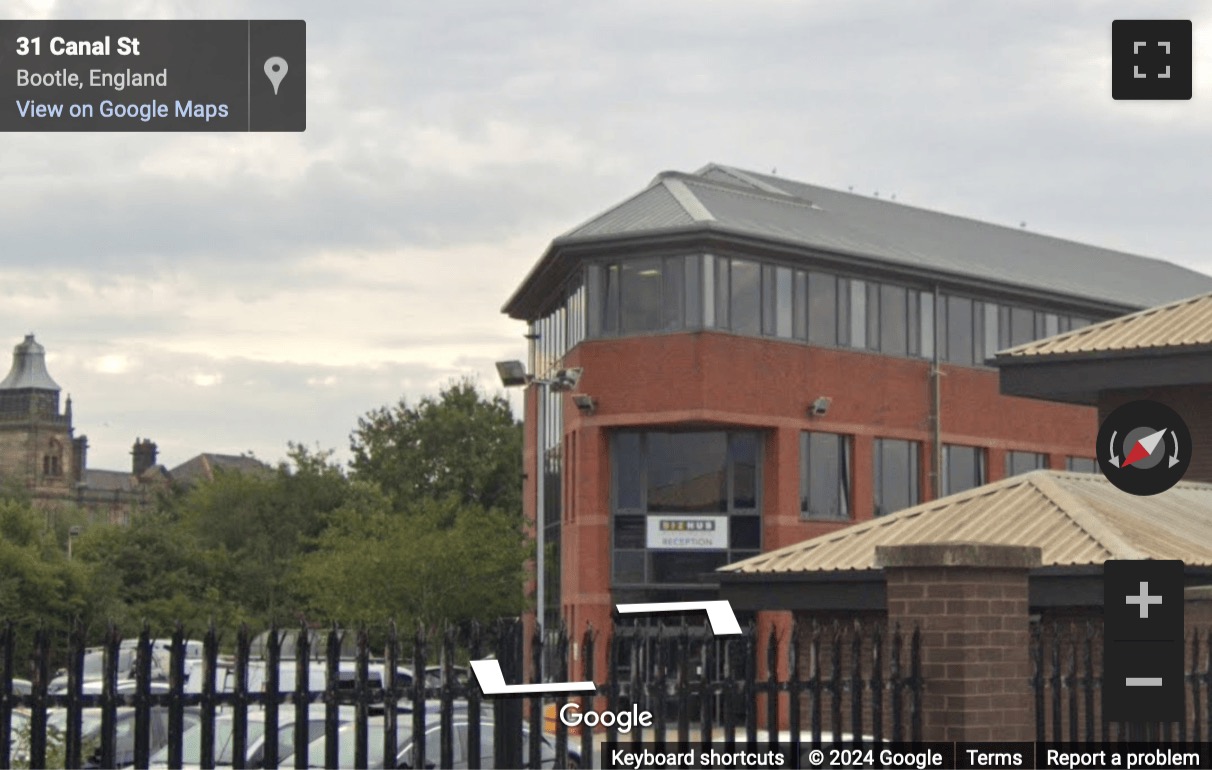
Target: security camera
566,379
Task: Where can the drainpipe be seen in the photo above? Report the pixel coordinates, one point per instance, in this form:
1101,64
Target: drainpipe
936,405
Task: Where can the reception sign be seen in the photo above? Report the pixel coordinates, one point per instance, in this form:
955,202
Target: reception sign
667,532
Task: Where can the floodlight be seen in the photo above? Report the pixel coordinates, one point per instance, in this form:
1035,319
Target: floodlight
585,402
512,373
820,406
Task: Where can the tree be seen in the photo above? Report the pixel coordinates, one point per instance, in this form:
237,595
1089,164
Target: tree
39,587
256,524
462,445
438,561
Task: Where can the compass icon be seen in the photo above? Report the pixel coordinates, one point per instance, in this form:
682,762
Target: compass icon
1144,447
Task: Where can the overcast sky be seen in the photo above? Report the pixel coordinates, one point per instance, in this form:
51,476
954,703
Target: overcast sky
234,292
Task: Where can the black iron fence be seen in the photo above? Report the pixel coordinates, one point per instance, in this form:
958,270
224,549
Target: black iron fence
183,703
1067,671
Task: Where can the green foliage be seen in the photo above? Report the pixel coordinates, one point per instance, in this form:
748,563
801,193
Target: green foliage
427,527
39,588
439,561
461,444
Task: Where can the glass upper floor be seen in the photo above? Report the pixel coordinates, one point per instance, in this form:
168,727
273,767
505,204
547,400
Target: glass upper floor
655,295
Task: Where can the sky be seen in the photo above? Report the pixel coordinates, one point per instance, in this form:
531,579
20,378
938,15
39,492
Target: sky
235,292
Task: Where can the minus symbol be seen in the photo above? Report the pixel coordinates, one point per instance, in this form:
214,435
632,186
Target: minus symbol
1143,681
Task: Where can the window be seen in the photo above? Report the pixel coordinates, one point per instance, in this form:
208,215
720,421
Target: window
926,314
746,297
1024,462
822,309
1082,464
673,293
694,291
1017,326
800,298
992,338
896,475
641,296
783,307
958,345
686,476
824,476
858,314
963,468
610,307
704,479
893,320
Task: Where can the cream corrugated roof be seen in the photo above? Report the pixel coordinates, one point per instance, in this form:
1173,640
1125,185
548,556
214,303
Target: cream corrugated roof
1075,518
1185,323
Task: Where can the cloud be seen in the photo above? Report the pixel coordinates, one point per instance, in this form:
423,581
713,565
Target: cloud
225,292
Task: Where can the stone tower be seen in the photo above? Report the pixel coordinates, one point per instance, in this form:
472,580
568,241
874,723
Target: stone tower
37,446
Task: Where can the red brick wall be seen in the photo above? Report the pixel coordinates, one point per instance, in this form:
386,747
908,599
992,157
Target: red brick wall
713,379
974,647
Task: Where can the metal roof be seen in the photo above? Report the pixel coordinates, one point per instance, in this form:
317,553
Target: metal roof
1175,327
29,368
724,199
1076,519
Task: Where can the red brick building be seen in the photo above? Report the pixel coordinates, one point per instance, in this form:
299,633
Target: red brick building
763,361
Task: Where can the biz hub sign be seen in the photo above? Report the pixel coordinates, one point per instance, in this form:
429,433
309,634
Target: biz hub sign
703,533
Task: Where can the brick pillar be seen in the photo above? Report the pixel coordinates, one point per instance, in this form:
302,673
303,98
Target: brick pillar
970,602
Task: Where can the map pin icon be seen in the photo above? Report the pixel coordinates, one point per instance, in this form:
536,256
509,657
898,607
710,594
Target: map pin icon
275,70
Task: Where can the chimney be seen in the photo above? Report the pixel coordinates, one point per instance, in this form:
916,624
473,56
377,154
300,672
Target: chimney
144,454
79,457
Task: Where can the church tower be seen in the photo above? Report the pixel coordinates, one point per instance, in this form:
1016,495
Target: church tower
37,447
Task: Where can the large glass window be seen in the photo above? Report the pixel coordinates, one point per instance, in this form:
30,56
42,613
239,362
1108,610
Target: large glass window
858,314
1024,462
610,308
664,294
746,297
673,294
784,309
926,314
958,345
963,468
1017,326
686,476
894,320
641,296
824,476
703,487
1082,464
822,309
896,475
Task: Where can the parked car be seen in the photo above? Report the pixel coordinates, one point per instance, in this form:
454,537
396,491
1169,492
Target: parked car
404,759
433,676
254,756
94,661
22,687
124,745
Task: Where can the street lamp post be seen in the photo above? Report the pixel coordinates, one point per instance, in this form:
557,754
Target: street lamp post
513,374
72,534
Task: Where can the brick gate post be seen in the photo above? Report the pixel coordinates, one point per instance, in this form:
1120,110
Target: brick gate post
970,602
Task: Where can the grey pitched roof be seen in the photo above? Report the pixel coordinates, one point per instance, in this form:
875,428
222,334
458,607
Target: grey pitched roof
29,368
203,467
109,481
728,200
